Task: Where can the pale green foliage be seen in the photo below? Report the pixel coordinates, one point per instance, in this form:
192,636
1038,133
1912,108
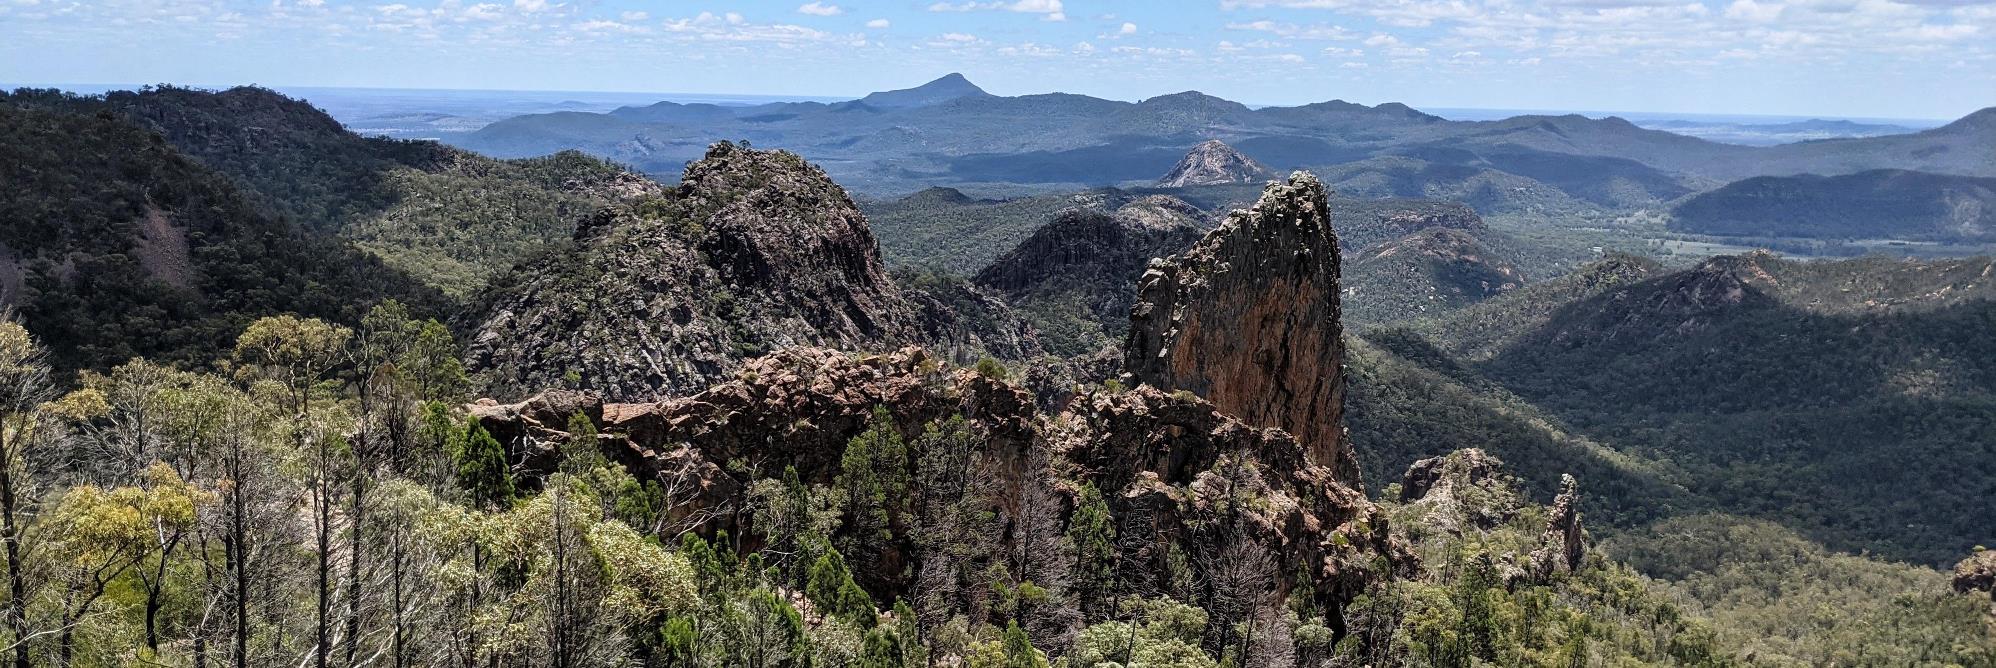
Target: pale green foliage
1166,634
645,581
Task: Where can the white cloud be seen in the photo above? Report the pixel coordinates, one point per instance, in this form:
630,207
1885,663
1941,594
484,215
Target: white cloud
1127,29
1052,9
530,6
957,37
1293,31
1749,10
820,9
878,23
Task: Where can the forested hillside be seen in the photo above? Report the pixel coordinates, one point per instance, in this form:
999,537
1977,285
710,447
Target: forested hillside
116,245
449,217
1852,399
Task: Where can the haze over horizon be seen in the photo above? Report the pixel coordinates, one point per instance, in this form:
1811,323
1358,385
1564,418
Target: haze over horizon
1860,59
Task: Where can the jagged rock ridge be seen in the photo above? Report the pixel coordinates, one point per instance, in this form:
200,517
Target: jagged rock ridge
753,251
1249,319
1210,163
1170,465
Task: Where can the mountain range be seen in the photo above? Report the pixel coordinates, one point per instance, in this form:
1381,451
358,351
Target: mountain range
950,132
1228,424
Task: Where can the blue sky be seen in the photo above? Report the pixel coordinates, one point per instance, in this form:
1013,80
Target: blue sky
1876,58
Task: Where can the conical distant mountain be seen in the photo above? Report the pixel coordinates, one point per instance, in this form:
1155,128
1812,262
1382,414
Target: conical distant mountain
1213,163
951,86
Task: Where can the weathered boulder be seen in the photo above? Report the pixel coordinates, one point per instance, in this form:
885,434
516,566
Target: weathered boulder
1249,320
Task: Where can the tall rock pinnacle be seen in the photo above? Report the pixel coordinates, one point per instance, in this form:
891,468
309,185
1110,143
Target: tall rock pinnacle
1248,319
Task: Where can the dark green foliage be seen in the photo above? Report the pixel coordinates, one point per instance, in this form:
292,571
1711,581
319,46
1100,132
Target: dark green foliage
677,644
882,648
992,369
1816,394
1093,532
874,477
482,469
830,585
450,218
714,574
1881,204
116,245
1019,651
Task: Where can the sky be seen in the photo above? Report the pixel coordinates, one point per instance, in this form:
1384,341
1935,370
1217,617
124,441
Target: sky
1850,58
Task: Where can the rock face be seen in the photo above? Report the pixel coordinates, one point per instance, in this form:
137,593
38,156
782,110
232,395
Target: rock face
1076,276
753,251
1249,319
1977,573
1563,544
1213,163
1170,466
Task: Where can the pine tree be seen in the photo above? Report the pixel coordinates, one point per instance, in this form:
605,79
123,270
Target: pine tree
830,585
1093,532
482,469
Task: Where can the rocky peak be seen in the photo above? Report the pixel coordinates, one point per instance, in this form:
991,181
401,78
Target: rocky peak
945,88
1213,163
754,251
1249,319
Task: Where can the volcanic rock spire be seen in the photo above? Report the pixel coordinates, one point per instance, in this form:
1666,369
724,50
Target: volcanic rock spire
1248,319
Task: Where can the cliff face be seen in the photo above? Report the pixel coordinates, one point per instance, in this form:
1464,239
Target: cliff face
754,251
1213,163
1249,319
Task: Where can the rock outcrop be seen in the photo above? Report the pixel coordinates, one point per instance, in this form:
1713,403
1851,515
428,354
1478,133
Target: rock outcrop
1563,544
1463,490
1076,276
754,251
1173,469
1213,163
1977,573
1249,320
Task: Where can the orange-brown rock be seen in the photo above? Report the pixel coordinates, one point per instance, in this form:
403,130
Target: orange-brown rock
1249,319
